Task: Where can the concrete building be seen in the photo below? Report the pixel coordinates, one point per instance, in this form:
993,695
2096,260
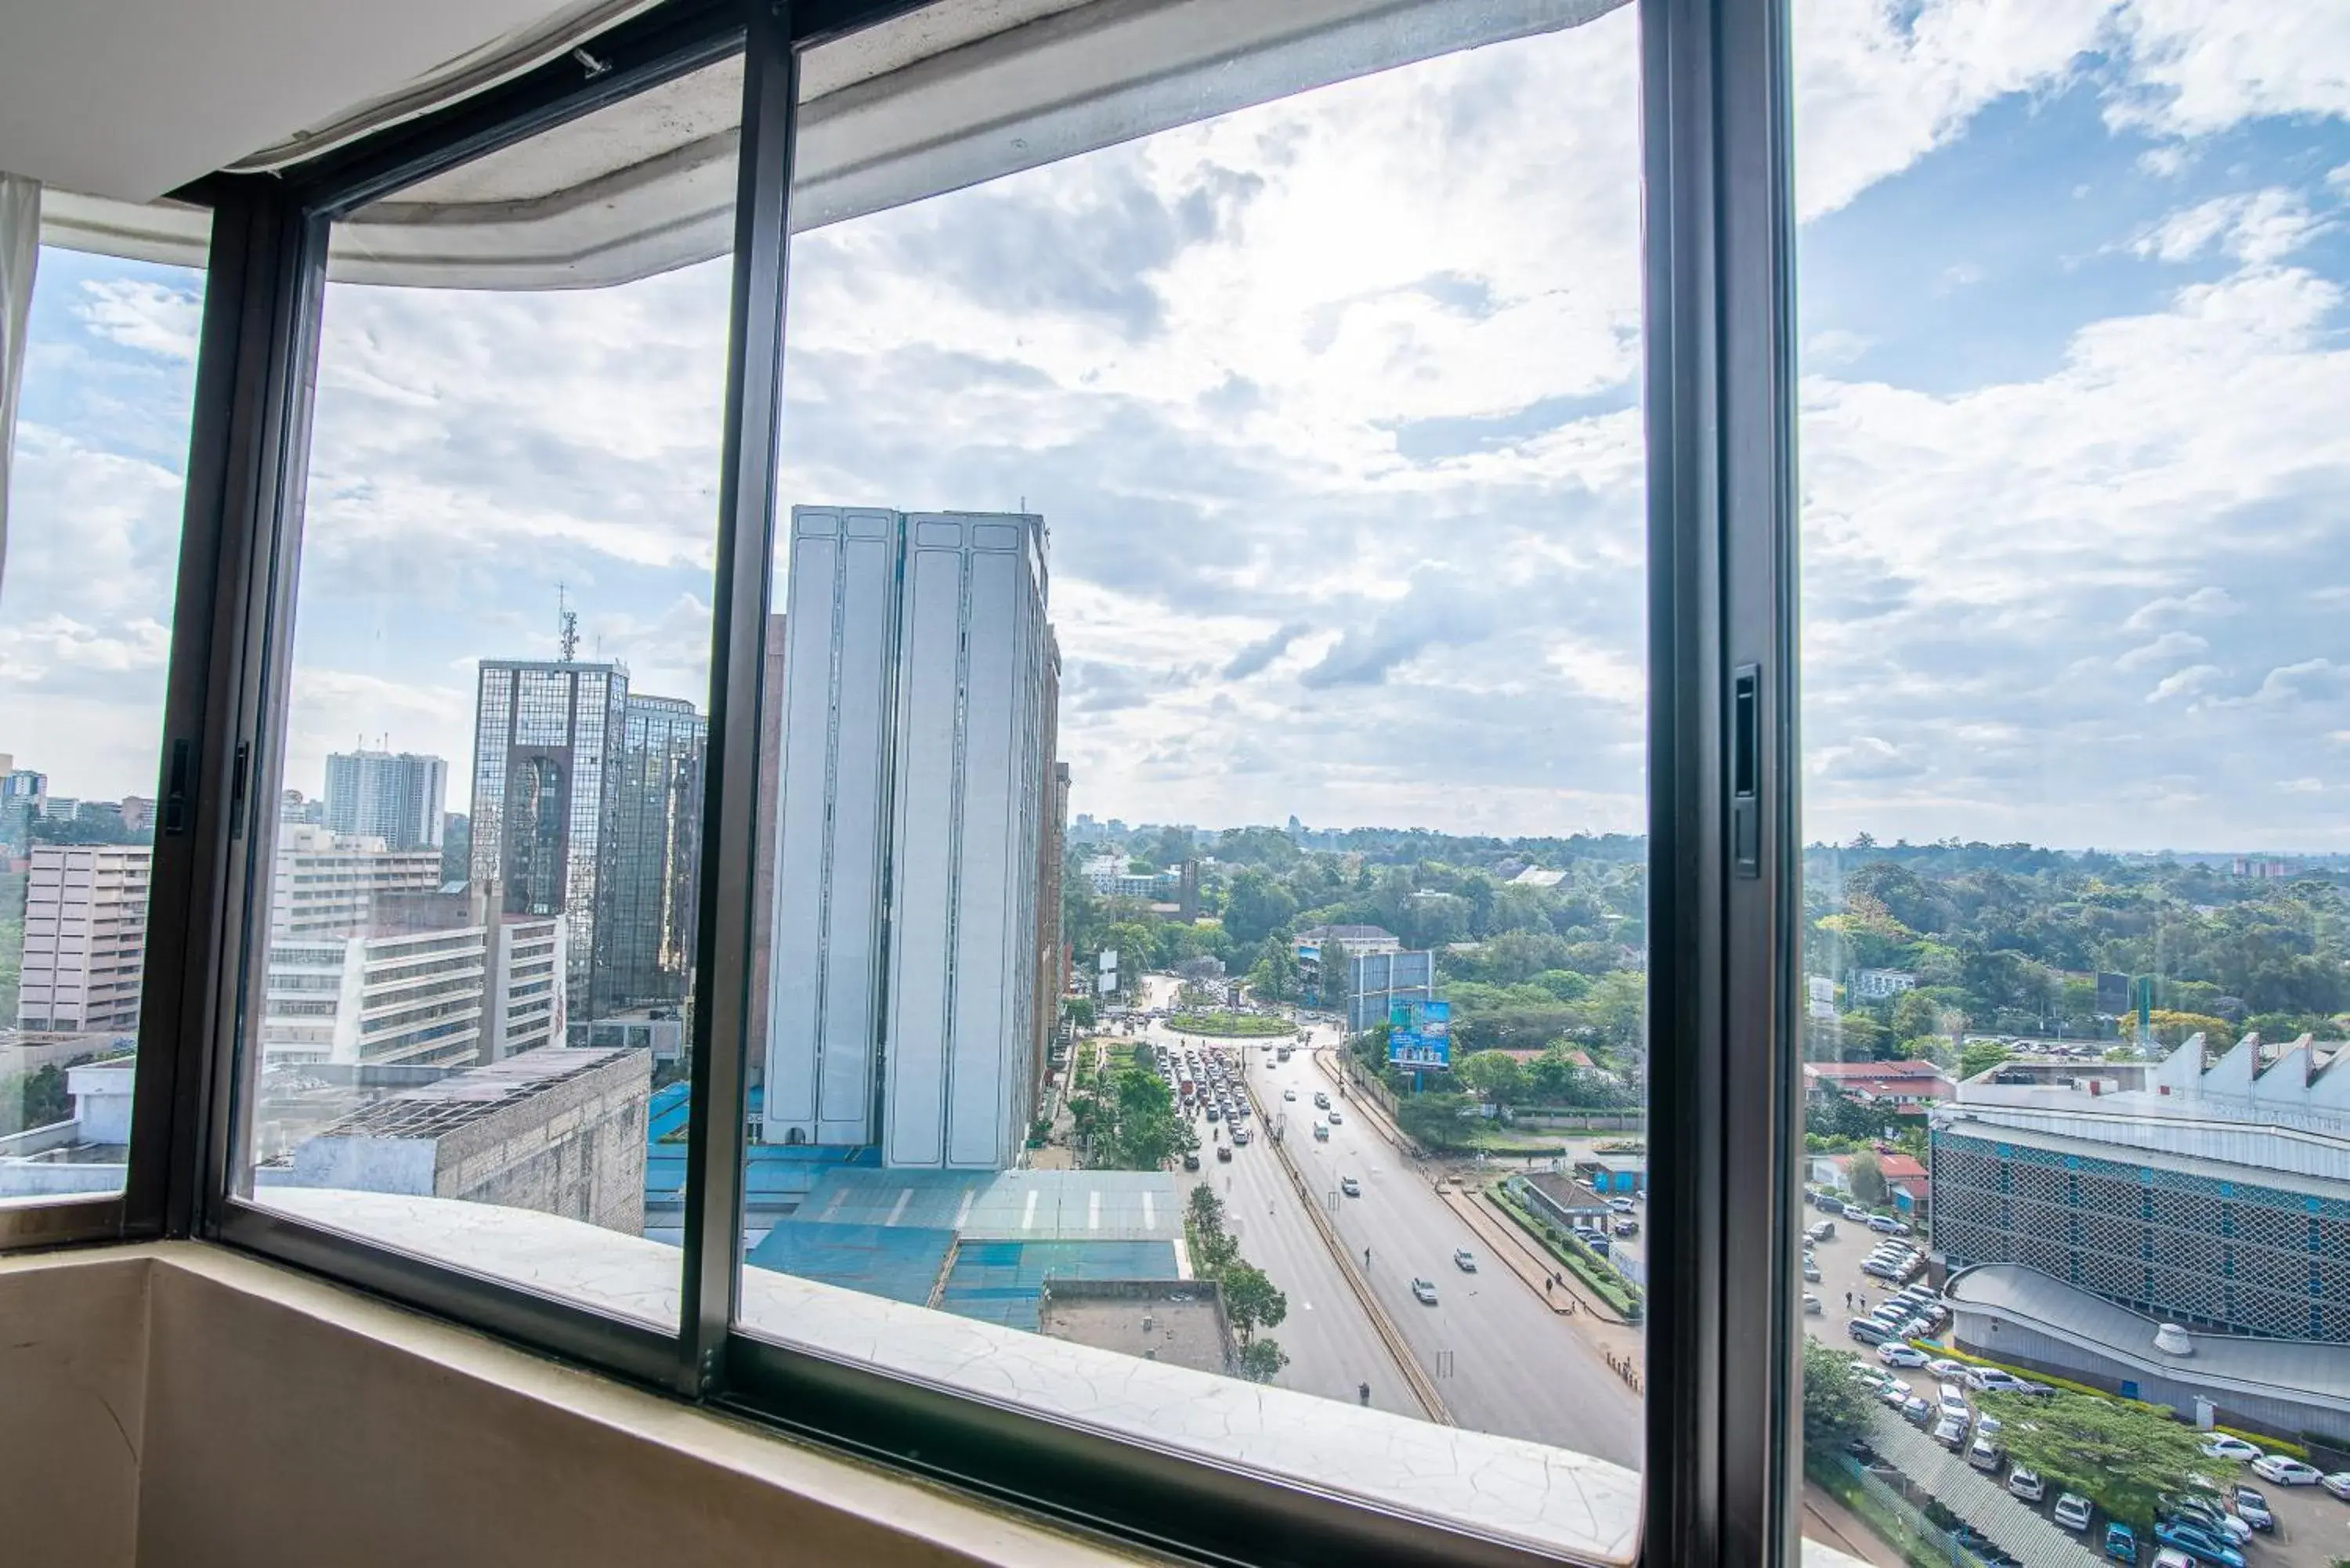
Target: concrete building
1110,877
22,792
1322,952
89,1152
85,937
762,874
916,765
326,884
1878,985
1376,981
398,798
1181,1322
654,848
559,1131
2215,1197
547,738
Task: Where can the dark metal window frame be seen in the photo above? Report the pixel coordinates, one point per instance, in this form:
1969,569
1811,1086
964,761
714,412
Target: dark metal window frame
1722,1397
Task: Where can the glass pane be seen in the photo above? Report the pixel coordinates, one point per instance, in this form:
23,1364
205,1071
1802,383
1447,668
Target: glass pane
86,590
478,960
1205,811
2074,515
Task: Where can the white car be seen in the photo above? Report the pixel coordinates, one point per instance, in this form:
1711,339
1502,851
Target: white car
2285,1472
1947,1370
1893,1352
1351,1187
1425,1290
2220,1446
2338,1483
2073,1510
1337,1116
2026,1484
1288,1094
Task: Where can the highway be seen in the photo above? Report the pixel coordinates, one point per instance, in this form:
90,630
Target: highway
1503,1361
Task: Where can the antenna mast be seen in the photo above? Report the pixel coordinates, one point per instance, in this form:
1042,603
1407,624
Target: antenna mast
570,623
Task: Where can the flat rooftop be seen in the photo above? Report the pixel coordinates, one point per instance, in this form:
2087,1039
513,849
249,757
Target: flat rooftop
472,1094
1181,1323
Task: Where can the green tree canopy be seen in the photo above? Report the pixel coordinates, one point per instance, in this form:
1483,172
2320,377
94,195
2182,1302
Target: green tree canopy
1836,1402
1494,1074
2118,1453
1261,1360
1251,1300
1981,1056
1868,1179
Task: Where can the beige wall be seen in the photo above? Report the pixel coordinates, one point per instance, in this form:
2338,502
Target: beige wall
181,1406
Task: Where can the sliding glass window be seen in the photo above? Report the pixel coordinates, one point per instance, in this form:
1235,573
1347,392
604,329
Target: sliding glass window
1200,951
475,917
90,525
2076,891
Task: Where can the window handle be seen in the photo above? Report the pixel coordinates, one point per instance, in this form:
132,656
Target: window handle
1746,772
176,809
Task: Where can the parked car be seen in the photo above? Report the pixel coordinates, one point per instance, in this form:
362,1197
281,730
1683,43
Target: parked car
1820,1231
2121,1543
2253,1508
1947,1370
1812,1307
1950,1431
1351,1187
2171,1557
1881,1224
1894,1353
2286,1471
2338,1483
2204,1545
1626,1226
1811,1268
2073,1510
1831,1205
1917,1412
1867,1331
1425,1290
2220,1445
1985,1456
1464,1260
2026,1484
1895,1396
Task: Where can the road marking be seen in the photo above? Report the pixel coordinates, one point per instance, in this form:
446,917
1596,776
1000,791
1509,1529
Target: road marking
898,1209
1028,1212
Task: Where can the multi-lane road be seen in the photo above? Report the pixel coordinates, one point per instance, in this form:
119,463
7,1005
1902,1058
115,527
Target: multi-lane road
1502,1359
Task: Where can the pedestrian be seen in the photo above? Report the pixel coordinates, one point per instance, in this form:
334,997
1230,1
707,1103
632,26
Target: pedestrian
1847,1301
1549,1283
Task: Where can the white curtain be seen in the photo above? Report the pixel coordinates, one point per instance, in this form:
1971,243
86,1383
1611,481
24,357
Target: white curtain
20,248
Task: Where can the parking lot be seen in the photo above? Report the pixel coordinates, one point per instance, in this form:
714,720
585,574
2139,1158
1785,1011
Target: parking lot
2312,1528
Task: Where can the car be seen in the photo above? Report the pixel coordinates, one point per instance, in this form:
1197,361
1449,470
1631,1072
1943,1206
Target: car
1862,1372
1951,1432
2338,1483
1321,1099
1464,1260
1985,1456
1895,1353
1813,1305
2072,1510
2220,1445
1881,1223
1831,1205
1895,1396
1626,1226
2171,1557
1224,1154
1916,1411
2286,1471
1288,1094
1214,1114
2193,1538
1867,1331
1621,1205
1322,1131
1336,1116
1240,1134
1425,1290
1991,1379
1191,1160
2252,1508
2026,1484
1351,1187
2121,1543
1820,1231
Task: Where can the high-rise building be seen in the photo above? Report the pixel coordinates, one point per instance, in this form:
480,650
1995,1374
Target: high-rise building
917,782
654,846
332,885
547,738
415,992
762,874
395,796
85,937
22,793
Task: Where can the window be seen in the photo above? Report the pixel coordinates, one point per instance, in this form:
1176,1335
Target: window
92,540
2074,896
1201,989
490,772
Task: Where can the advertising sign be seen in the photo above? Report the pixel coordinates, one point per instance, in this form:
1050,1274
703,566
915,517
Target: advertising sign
1109,961
1420,1035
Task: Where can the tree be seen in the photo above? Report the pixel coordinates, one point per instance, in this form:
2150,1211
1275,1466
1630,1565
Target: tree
1862,1037
1079,1011
1261,1360
1251,1300
1494,1074
1981,1056
1836,1402
1255,904
1867,1179
2118,1453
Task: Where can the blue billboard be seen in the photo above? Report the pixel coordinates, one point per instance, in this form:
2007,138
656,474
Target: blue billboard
1420,1035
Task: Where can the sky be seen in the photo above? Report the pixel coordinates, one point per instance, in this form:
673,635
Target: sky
1332,407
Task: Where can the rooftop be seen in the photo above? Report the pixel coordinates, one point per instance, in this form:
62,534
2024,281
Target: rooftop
1180,1323
1842,1072
470,1094
2300,1370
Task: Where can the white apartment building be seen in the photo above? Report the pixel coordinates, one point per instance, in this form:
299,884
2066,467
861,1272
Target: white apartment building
85,937
327,884
916,759
437,998
395,796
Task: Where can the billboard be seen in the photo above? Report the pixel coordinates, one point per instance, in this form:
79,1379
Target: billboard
1420,1035
1109,961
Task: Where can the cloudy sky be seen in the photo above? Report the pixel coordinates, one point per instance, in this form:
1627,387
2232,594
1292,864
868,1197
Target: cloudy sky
1332,407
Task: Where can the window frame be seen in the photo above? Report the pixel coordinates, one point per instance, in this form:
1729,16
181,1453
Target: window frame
1722,1397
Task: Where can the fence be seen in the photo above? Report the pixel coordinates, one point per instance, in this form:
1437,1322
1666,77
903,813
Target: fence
1910,1532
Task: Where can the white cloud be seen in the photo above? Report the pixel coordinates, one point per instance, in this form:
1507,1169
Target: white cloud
139,314
2259,228
2163,650
2198,68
